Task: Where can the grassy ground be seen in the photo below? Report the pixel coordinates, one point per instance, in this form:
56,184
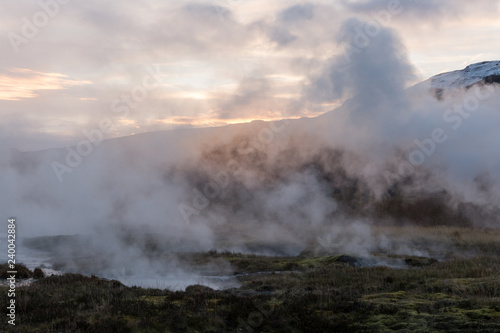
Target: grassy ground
306,294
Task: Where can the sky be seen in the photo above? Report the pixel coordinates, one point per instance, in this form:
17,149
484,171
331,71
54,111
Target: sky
67,67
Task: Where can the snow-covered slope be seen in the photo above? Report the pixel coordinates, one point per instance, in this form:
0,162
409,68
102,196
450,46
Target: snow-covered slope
483,71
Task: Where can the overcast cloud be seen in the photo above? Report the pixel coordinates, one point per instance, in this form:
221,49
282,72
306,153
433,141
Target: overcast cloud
216,62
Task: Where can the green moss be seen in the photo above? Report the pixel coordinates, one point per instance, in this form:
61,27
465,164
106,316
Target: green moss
386,296
425,312
320,295
152,299
178,302
482,314
473,287
275,303
319,262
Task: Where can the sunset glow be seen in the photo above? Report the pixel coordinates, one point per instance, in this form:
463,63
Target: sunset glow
210,64
20,83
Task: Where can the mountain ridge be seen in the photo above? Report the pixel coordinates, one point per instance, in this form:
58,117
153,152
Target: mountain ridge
485,71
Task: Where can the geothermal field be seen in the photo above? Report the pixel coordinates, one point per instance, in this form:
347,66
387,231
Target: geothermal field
250,166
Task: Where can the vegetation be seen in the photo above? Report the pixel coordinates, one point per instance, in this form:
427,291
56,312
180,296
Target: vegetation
299,294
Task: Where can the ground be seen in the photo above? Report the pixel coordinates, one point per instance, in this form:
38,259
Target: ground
307,293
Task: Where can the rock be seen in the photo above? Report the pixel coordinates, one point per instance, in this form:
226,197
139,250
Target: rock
348,260
38,273
22,271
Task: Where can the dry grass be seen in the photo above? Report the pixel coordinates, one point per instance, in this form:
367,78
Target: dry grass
454,241
314,294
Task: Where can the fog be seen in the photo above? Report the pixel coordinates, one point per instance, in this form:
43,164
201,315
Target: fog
392,154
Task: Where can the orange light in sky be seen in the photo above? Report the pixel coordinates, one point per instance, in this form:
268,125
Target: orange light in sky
23,83
204,122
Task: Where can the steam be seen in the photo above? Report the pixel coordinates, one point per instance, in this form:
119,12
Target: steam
273,188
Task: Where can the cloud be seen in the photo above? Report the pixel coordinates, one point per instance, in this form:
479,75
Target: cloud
373,68
431,10
237,48
21,83
297,13
289,18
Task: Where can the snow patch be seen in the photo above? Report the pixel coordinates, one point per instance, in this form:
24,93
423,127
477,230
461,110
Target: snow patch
466,77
